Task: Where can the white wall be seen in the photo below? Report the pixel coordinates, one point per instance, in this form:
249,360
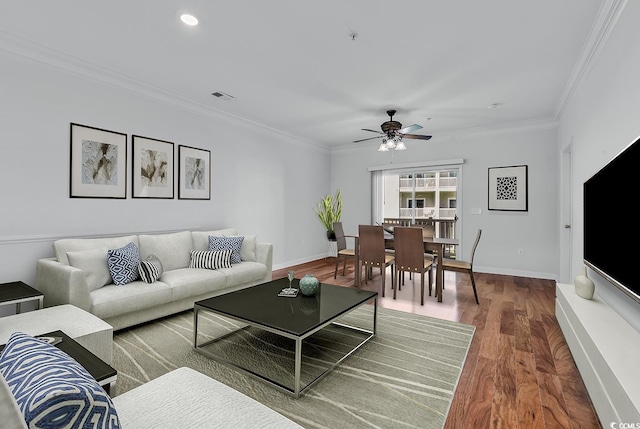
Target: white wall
602,119
262,182
503,233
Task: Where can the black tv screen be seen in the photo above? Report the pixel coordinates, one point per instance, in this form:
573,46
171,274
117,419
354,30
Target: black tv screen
611,229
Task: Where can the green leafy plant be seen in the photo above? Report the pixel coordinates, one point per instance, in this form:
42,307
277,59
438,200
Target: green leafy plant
329,210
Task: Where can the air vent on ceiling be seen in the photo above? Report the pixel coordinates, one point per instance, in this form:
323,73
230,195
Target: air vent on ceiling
222,96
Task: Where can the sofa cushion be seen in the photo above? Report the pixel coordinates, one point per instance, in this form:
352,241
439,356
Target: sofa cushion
201,238
210,259
61,247
93,263
194,282
52,389
245,272
172,249
150,269
123,264
248,248
224,243
112,300
185,398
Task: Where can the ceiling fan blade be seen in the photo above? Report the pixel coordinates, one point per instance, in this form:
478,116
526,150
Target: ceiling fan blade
363,140
373,131
410,128
415,136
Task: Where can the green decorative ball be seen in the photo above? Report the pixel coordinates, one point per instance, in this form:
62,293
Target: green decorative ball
309,285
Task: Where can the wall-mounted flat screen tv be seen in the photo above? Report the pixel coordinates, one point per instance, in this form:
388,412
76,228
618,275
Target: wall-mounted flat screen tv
611,230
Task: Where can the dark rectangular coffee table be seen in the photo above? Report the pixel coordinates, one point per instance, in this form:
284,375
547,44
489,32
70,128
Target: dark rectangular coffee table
294,318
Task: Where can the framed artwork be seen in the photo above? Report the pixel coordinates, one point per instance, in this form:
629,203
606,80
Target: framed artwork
152,168
508,188
194,173
98,163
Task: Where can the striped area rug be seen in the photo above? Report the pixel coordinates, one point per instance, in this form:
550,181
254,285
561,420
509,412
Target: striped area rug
405,377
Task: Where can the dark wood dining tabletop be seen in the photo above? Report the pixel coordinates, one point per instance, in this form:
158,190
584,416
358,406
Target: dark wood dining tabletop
433,244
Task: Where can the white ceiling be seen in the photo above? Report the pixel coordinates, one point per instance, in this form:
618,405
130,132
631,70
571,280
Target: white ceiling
293,67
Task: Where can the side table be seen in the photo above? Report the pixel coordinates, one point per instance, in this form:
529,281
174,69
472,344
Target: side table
17,293
104,374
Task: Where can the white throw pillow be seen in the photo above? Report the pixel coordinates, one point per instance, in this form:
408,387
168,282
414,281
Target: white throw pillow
248,248
93,263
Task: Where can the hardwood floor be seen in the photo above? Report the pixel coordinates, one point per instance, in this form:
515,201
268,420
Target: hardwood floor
519,372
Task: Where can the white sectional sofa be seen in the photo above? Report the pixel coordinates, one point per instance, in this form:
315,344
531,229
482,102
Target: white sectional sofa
89,331
182,398
78,275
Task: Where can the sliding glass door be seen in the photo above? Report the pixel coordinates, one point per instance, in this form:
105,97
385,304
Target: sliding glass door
419,196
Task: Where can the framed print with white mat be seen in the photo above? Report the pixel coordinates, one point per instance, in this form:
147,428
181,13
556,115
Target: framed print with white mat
508,188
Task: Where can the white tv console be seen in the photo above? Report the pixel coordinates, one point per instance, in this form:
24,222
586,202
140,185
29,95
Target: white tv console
606,350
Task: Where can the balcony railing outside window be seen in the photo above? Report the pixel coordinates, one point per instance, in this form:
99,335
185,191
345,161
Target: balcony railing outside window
444,228
448,182
422,183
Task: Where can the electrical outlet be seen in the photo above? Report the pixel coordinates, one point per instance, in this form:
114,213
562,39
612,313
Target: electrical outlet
476,211
520,252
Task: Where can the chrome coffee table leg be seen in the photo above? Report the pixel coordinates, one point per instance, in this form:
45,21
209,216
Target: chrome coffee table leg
298,367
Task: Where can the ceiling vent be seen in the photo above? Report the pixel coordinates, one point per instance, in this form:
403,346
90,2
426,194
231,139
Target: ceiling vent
222,96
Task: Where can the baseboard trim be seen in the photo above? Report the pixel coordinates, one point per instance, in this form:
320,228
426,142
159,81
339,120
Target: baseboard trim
516,273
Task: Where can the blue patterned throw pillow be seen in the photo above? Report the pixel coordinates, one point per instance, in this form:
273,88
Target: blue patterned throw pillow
123,264
150,269
51,389
227,243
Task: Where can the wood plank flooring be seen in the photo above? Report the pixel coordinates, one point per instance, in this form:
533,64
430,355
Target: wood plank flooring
519,372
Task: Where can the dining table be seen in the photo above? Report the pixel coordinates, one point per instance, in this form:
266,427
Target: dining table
431,244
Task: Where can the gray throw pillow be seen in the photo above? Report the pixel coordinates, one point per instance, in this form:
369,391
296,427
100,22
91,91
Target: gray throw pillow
150,269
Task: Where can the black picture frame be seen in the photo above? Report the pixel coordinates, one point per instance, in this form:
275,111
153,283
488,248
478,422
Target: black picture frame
194,173
152,168
97,163
509,188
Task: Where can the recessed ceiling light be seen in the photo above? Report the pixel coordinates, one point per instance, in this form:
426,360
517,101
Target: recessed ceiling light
189,19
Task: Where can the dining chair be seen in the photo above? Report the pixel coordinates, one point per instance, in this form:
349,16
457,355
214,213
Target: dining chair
410,257
464,266
428,231
373,255
343,252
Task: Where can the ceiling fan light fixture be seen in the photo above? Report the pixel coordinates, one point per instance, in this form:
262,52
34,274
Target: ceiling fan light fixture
392,134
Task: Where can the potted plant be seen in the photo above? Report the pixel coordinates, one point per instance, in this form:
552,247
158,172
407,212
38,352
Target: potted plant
329,210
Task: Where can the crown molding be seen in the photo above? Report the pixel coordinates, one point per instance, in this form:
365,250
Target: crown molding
527,124
87,70
603,25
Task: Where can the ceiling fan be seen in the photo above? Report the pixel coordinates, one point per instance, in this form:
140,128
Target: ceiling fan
392,134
